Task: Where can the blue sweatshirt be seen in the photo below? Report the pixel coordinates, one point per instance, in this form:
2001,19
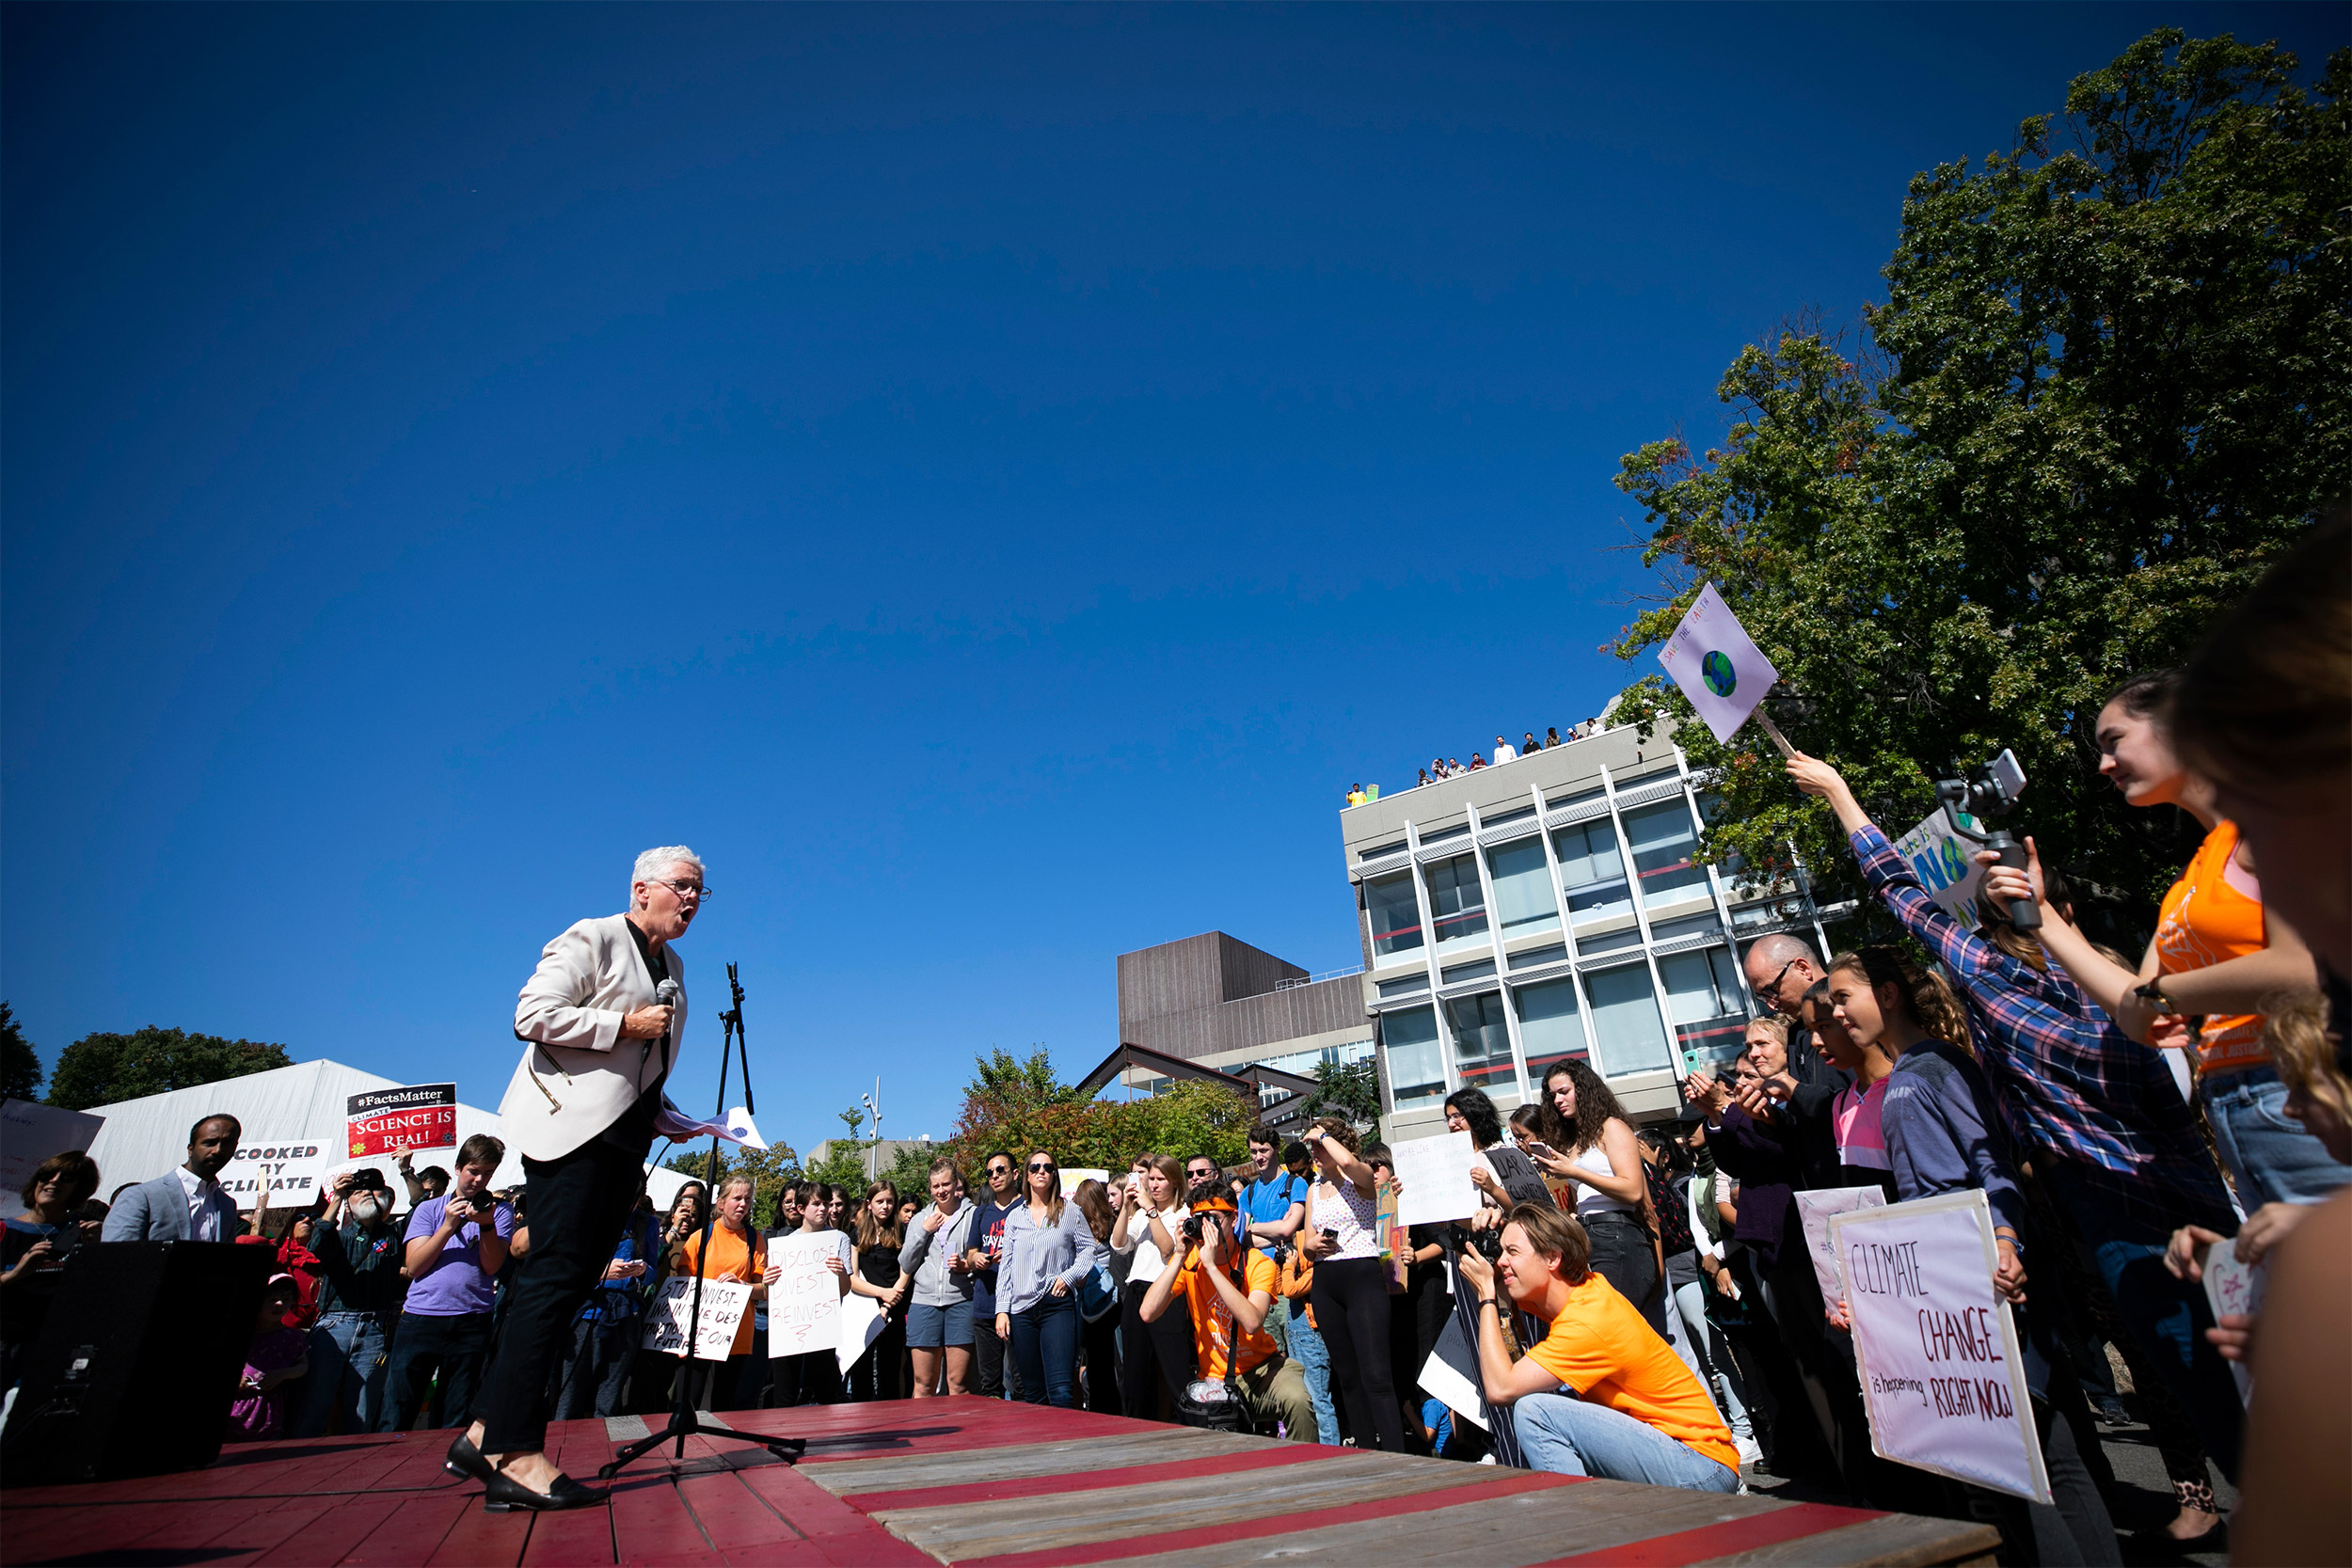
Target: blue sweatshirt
1943,1135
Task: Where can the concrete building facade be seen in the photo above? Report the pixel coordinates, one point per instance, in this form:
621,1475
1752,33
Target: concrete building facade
1219,1003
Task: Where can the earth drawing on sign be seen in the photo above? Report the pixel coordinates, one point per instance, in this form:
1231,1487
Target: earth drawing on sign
1716,670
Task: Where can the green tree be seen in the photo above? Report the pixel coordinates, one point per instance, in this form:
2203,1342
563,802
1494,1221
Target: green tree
100,1070
2109,384
1352,1092
19,1064
1021,1105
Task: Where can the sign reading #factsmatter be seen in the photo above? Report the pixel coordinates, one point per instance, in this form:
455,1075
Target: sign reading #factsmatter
385,1121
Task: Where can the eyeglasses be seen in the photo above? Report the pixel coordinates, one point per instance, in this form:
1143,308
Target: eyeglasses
684,890
1772,987
1000,1170
1200,1175
1037,1170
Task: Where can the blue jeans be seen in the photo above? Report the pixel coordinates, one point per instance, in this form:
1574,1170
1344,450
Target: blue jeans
589,1381
2270,1156
2167,1316
1314,1362
1564,1435
347,1376
1709,1355
1045,1351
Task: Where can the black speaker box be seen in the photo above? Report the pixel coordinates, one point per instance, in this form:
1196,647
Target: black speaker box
138,1362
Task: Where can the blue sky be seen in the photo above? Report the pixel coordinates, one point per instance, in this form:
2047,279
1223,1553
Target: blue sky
987,478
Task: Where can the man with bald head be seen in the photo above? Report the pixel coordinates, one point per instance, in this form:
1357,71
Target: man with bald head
1781,968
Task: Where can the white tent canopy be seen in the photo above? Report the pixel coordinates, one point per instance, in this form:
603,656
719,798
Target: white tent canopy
143,1138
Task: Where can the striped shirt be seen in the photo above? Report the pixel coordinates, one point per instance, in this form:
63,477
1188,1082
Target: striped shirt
2072,1085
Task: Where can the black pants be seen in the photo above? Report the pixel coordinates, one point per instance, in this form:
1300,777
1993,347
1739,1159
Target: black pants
1624,1256
1351,1302
579,1204
874,1374
454,1347
1157,1358
1098,1346
998,1378
813,1377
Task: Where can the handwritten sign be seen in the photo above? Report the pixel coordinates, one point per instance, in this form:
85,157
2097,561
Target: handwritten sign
1936,1347
670,1313
385,1121
804,1302
2232,1287
291,1167
1433,1177
1945,863
1814,1209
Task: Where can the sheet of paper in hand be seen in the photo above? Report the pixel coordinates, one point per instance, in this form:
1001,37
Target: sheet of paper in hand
1435,1177
862,1323
2232,1287
804,1302
1814,1209
1936,1347
724,1302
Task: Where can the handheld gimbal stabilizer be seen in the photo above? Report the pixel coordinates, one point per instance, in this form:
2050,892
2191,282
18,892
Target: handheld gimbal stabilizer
1991,791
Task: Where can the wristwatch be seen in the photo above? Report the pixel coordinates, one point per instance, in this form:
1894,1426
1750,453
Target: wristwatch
1487,1300
2152,993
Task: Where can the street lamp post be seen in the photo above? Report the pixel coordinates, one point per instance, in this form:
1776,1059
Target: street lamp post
873,1113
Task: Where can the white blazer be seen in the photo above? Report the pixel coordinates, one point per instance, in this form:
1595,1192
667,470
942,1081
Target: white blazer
578,1074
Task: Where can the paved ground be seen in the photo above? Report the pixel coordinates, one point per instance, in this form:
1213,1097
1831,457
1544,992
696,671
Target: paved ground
2142,1506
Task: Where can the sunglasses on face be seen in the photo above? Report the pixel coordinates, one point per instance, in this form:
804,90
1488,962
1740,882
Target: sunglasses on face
1038,1169
1000,1170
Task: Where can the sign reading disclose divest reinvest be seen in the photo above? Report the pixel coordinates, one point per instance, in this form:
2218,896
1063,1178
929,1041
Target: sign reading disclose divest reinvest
385,1121
1936,1347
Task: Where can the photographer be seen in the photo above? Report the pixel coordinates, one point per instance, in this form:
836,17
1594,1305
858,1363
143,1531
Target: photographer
455,1246
360,1257
1230,1289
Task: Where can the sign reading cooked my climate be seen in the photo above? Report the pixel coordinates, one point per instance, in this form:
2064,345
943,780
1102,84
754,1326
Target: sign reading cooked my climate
1937,1347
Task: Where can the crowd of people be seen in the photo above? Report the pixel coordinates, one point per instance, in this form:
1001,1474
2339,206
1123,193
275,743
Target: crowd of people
1442,767
1628,1301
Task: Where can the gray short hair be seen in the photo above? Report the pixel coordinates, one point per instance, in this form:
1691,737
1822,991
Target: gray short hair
1780,948
653,862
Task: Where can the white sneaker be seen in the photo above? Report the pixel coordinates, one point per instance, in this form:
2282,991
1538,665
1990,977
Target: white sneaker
1749,1452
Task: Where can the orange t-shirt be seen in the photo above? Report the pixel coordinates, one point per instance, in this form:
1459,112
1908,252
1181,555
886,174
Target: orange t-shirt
1213,1323
730,1258
1601,1347
2205,920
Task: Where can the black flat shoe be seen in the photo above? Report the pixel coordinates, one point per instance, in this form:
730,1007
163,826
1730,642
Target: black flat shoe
465,1461
501,1494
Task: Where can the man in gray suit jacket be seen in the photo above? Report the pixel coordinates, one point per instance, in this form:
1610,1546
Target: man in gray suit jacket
186,1204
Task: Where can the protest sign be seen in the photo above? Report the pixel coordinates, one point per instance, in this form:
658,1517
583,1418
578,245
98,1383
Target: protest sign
1718,667
1433,1179
1945,863
724,1302
2236,1288
1073,1175
385,1121
292,1167
1814,1209
862,1323
31,1132
1936,1345
804,1302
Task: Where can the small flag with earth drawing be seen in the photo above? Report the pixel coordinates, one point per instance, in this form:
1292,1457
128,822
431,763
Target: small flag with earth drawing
1722,671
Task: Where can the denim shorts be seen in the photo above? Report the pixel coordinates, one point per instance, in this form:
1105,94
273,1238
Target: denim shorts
930,1327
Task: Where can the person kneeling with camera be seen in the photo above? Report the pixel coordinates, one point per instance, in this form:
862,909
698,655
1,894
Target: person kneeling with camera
1601,1395
1229,1288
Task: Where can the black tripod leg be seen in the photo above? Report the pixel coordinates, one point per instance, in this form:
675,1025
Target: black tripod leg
782,1448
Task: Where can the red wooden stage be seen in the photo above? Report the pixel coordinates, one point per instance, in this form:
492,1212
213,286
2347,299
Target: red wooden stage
960,1481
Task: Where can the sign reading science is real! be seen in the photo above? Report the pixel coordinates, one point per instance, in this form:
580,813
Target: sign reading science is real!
1936,1346
385,1121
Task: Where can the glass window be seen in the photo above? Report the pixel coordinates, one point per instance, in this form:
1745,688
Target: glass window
1549,1030
1400,987
1703,999
1503,819
1614,941
1379,849
1578,797
1534,956
1457,905
1395,915
1591,868
1523,897
1626,1026
1454,974
1664,840
1689,925
1439,835
1482,1043
1416,1071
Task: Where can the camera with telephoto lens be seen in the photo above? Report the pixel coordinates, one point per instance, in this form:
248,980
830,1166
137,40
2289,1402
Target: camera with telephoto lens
1993,790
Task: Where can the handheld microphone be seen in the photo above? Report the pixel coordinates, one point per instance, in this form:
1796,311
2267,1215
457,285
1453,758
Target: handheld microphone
666,995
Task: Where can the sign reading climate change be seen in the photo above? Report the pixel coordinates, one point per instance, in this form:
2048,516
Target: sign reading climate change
1718,667
385,1121
1936,1347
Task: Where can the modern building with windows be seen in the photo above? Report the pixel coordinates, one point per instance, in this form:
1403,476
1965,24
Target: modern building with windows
1547,908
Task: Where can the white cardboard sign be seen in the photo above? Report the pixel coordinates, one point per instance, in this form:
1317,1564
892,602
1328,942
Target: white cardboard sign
862,1323
2232,1287
1433,1178
1943,860
31,1132
804,1302
1814,1209
1717,664
1936,1347
292,1166
724,1302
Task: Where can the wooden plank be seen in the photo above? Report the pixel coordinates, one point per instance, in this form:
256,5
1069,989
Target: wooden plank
1032,1524
575,1535
1169,1445
652,1524
1890,1541
416,1529
1065,1483
1285,1523
480,1536
1731,1530
1508,1532
840,1532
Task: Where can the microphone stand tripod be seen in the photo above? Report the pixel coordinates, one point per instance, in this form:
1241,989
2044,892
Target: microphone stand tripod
685,1420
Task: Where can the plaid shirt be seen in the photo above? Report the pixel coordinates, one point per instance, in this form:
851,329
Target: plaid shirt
2072,1085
